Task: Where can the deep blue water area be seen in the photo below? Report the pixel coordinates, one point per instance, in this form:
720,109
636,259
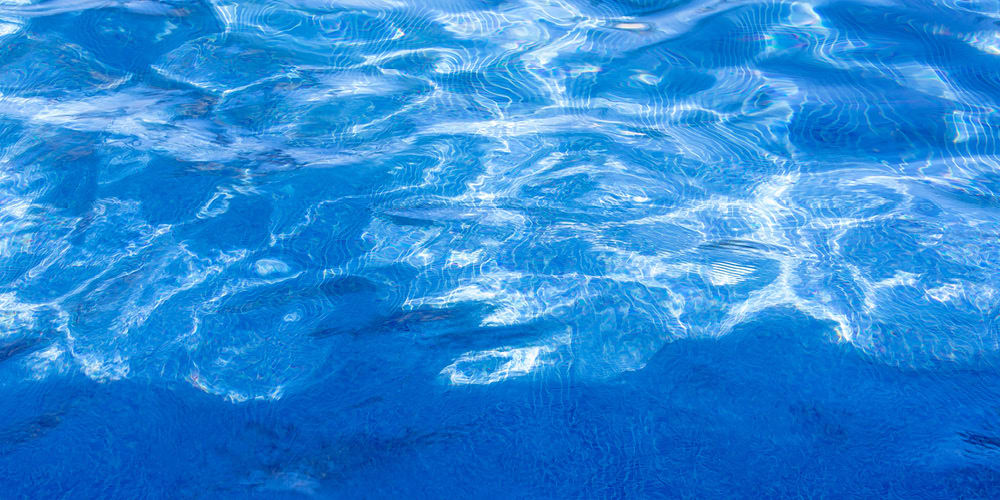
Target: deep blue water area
499,249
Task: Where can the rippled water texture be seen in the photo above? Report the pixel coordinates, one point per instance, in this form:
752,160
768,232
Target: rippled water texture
530,248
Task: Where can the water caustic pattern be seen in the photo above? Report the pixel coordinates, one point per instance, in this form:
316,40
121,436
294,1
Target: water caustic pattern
229,193
528,248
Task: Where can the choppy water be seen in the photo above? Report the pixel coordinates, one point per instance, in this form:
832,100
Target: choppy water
535,248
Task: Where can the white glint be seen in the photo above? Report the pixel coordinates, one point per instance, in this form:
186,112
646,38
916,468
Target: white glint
928,80
496,365
874,289
7,28
14,314
728,273
217,205
632,26
48,362
988,42
803,14
945,293
103,369
458,258
268,267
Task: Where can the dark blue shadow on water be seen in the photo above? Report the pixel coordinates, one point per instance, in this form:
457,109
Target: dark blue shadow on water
773,409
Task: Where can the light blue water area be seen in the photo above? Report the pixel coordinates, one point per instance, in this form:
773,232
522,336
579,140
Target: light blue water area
499,249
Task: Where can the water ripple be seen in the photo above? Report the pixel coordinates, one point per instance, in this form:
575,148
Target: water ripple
227,194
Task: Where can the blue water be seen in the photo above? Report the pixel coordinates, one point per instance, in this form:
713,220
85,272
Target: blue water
499,249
